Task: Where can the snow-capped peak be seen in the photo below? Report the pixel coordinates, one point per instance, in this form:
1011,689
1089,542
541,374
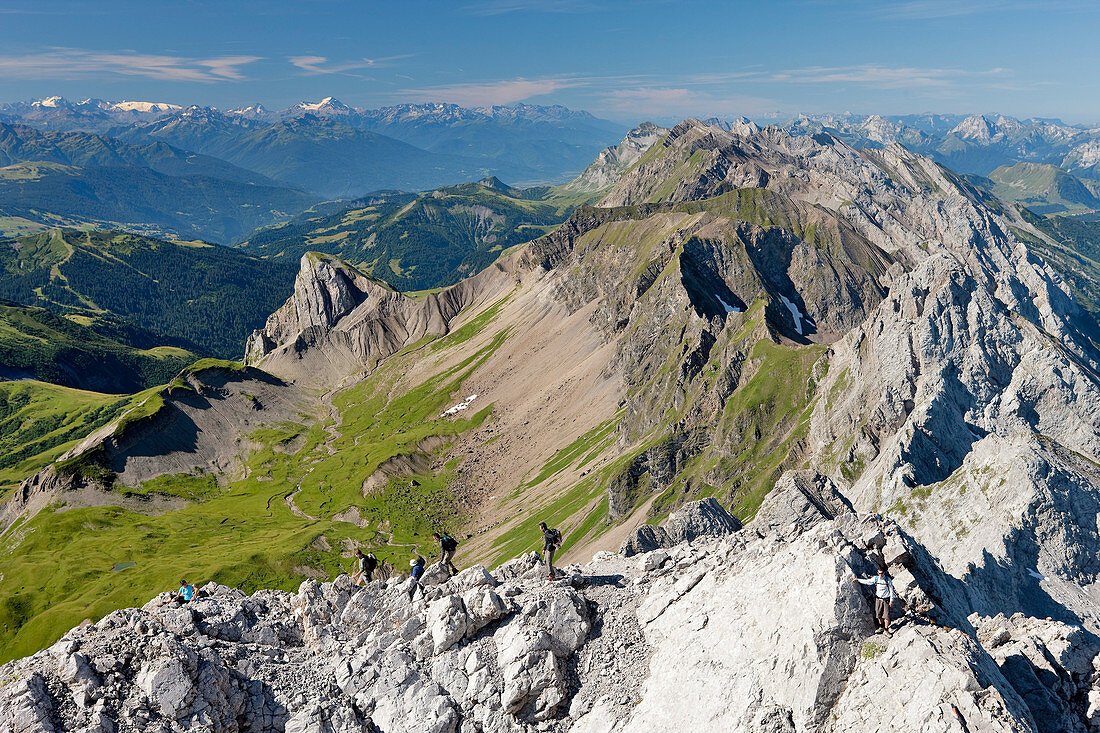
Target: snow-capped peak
145,107
51,102
328,104
975,127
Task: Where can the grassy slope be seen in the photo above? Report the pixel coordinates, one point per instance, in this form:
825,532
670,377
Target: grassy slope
1043,188
244,534
39,422
84,351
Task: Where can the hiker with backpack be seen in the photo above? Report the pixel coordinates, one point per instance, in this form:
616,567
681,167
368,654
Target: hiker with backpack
884,596
551,541
447,547
365,567
415,574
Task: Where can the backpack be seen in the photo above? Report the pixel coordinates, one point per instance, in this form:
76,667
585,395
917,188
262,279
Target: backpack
448,543
555,538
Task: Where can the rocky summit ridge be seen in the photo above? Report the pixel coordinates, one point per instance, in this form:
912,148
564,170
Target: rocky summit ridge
745,630
852,350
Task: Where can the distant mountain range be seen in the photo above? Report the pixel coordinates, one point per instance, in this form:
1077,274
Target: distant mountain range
333,150
968,144
427,240
78,178
98,352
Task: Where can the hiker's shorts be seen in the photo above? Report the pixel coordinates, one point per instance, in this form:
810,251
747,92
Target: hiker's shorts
882,609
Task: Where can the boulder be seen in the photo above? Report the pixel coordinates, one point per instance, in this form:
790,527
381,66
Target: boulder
800,500
645,538
695,519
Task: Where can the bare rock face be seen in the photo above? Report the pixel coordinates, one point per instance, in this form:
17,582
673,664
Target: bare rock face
800,500
325,290
695,519
609,165
339,321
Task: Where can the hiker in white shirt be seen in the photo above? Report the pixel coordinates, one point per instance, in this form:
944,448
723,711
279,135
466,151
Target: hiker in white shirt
884,596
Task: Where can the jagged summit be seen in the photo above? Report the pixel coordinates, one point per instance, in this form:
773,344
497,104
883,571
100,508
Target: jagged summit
495,184
327,107
612,161
975,127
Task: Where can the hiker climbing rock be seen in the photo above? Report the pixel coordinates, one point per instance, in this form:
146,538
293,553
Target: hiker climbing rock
365,565
184,595
417,571
551,542
447,547
884,596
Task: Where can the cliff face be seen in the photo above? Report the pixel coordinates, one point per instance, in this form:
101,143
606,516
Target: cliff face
612,161
339,321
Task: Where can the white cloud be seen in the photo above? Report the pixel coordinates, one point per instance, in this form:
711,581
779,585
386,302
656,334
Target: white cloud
934,9
502,7
882,77
71,63
321,64
504,91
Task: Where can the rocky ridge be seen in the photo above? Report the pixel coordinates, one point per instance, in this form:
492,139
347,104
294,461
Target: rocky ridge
705,634
609,165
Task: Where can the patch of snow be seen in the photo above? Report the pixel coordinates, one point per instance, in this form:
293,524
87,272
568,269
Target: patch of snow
50,102
460,406
328,103
1035,574
796,314
729,308
145,107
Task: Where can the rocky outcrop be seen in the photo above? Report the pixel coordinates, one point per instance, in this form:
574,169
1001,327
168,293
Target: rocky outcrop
695,519
609,165
340,322
740,632
800,500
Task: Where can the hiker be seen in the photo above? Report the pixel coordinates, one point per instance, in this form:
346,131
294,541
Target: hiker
551,542
184,594
415,574
365,567
884,596
447,547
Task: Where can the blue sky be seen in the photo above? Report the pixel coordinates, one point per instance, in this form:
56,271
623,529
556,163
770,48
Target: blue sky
627,61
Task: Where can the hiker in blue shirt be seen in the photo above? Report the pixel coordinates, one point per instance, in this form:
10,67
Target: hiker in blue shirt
415,574
884,596
184,594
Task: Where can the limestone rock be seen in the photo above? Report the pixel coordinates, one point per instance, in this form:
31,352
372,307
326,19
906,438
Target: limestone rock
800,500
702,518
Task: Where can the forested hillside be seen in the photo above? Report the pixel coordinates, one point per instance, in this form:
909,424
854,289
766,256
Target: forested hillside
192,291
